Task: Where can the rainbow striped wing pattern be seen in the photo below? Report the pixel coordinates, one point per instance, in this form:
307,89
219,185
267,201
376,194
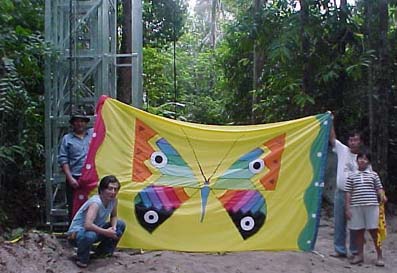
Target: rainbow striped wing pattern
155,204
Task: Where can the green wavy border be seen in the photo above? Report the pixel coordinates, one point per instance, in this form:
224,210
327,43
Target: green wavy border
313,194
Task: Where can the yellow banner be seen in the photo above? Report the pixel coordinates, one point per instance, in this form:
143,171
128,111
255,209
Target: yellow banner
193,187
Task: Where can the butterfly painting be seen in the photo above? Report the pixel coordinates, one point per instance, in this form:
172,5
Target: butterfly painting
195,187
243,203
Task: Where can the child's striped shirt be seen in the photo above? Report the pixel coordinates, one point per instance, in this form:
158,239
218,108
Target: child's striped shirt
363,187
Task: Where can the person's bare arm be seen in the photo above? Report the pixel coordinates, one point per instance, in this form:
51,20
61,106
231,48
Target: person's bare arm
382,196
89,223
113,216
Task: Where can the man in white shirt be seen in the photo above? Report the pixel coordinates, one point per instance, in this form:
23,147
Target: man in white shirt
347,164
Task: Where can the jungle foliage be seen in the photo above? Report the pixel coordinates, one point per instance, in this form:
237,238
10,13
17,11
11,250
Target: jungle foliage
22,51
228,62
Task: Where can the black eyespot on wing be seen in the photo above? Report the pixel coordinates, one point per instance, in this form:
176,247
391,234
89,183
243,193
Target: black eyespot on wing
155,204
151,218
247,223
248,216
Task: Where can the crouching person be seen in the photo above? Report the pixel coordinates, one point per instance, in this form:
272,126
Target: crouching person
91,223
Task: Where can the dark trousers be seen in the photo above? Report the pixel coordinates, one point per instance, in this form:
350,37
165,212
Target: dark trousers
85,239
69,198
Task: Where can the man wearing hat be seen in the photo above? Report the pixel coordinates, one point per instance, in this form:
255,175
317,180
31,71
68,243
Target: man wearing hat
73,152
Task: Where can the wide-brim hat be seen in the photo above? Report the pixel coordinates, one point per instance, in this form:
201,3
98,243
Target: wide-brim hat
79,115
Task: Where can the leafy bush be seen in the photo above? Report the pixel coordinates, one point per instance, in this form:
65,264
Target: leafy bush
22,49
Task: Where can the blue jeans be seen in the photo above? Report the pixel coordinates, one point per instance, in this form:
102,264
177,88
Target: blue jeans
340,223
85,239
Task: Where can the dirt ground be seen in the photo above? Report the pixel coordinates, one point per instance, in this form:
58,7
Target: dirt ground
42,252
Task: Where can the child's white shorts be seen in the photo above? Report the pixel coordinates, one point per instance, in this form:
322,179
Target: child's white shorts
364,217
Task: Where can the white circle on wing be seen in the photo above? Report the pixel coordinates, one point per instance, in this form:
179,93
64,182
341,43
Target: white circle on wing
151,217
247,223
256,166
158,159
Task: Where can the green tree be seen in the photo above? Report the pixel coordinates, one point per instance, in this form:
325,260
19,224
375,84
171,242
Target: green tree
163,21
186,95
22,49
379,82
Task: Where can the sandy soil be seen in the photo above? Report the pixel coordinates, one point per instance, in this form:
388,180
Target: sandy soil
41,252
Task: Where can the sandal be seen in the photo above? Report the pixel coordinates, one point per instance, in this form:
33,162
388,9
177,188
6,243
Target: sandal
357,260
338,255
380,262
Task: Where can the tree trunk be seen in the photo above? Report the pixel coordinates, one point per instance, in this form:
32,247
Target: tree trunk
213,38
305,48
257,58
339,92
376,15
384,87
124,73
214,5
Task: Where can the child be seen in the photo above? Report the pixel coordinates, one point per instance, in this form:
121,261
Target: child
362,206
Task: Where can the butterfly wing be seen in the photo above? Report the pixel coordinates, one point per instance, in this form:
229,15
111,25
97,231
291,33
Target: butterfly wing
245,205
247,210
157,202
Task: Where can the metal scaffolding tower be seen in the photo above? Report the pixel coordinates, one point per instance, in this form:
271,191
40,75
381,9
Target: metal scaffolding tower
81,68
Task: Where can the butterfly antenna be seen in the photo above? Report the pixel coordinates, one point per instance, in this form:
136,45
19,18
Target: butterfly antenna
224,157
206,189
195,155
